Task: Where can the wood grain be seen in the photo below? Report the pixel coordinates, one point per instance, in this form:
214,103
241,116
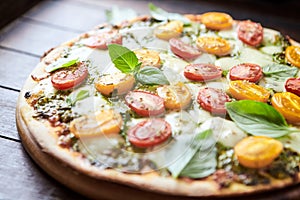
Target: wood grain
15,68
67,15
22,179
32,37
8,99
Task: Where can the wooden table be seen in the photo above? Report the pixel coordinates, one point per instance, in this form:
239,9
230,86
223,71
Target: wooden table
49,23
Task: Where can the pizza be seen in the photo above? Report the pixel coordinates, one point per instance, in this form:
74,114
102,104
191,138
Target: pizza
185,105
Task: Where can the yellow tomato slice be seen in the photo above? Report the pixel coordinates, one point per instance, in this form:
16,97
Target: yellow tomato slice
216,20
288,104
247,90
148,57
257,151
175,96
213,45
292,54
116,83
102,122
170,30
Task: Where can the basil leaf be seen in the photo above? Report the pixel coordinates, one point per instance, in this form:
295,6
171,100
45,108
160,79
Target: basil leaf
276,75
123,58
116,15
74,97
258,118
151,76
203,164
61,63
188,146
280,70
162,15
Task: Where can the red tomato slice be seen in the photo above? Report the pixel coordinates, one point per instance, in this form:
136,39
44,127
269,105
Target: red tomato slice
293,85
149,133
68,78
246,71
144,103
250,33
202,72
103,39
182,49
213,100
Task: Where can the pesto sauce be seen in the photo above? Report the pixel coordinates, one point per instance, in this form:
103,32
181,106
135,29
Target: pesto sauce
54,108
285,166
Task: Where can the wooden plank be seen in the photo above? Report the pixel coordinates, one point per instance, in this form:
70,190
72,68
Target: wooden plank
10,11
32,37
15,68
65,14
8,101
23,179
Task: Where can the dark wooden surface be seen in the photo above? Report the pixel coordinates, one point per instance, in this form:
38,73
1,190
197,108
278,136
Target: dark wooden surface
51,22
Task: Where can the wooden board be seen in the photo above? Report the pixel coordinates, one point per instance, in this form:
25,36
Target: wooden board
100,189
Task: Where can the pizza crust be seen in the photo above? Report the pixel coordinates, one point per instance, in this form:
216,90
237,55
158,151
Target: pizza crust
46,138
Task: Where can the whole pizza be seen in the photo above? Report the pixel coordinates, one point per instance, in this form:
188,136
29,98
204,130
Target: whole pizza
186,105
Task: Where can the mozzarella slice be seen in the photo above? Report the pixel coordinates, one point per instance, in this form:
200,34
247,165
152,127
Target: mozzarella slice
224,131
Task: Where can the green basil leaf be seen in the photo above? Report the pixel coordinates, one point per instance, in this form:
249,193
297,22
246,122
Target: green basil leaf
280,70
203,164
258,118
185,148
151,76
276,75
77,96
116,15
61,63
123,58
162,15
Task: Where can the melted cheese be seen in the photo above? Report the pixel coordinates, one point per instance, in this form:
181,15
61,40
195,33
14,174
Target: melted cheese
224,131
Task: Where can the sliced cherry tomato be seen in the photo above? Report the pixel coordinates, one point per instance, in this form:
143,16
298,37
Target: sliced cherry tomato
250,33
149,133
213,45
115,83
101,40
257,151
248,90
68,78
216,20
246,71
293,85
213,100
183,50
101,122
170,30
148,57
144,103
175,96
202,72
288,104
292,54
